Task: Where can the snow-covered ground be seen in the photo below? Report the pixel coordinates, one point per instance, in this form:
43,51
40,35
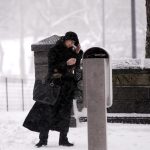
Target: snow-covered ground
120,136
129,63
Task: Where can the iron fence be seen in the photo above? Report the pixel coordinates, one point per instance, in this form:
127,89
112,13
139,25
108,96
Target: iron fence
16,94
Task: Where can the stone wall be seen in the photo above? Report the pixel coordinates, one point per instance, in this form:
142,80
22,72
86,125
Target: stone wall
131,91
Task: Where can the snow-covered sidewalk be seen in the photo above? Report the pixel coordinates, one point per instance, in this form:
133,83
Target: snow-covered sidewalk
13,136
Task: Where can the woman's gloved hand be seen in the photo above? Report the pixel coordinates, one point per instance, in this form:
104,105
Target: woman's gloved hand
71,61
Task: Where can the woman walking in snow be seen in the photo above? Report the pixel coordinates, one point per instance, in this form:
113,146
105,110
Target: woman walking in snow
62,60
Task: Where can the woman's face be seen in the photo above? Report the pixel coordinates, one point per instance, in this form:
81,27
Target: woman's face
69,43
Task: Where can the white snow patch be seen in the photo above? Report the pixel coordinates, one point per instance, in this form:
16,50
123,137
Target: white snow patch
129,63
127,115
120,136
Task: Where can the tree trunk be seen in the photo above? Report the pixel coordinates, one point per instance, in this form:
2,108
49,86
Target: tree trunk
148,29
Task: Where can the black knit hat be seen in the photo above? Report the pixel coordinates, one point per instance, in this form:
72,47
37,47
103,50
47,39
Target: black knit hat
72,36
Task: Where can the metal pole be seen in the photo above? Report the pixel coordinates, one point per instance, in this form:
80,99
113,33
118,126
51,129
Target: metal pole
22,55
95,89
103,23
22,94
6,81
133,28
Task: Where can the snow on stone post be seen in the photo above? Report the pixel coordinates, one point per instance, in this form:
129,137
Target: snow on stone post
97,89
41,49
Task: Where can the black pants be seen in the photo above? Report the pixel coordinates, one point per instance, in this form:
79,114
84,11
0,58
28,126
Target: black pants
43,136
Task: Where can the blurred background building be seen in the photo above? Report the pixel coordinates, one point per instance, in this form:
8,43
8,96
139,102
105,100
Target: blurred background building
103,23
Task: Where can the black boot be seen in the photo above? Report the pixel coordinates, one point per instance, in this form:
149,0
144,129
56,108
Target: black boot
63,140
41,143
43,138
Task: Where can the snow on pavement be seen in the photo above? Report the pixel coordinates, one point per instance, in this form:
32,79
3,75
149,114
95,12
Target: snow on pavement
13,136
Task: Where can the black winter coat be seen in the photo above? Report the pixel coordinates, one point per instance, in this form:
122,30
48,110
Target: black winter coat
57,60
56,117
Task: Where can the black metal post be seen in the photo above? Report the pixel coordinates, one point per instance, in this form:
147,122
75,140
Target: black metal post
133,28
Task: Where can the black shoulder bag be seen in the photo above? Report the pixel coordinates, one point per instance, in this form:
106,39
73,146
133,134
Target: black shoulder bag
46,93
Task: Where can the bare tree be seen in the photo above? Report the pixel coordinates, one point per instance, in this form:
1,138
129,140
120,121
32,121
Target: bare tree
148,29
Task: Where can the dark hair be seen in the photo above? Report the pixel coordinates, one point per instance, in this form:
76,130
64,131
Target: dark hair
72,36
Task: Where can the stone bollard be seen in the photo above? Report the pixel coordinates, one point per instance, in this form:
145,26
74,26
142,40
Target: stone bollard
97,90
